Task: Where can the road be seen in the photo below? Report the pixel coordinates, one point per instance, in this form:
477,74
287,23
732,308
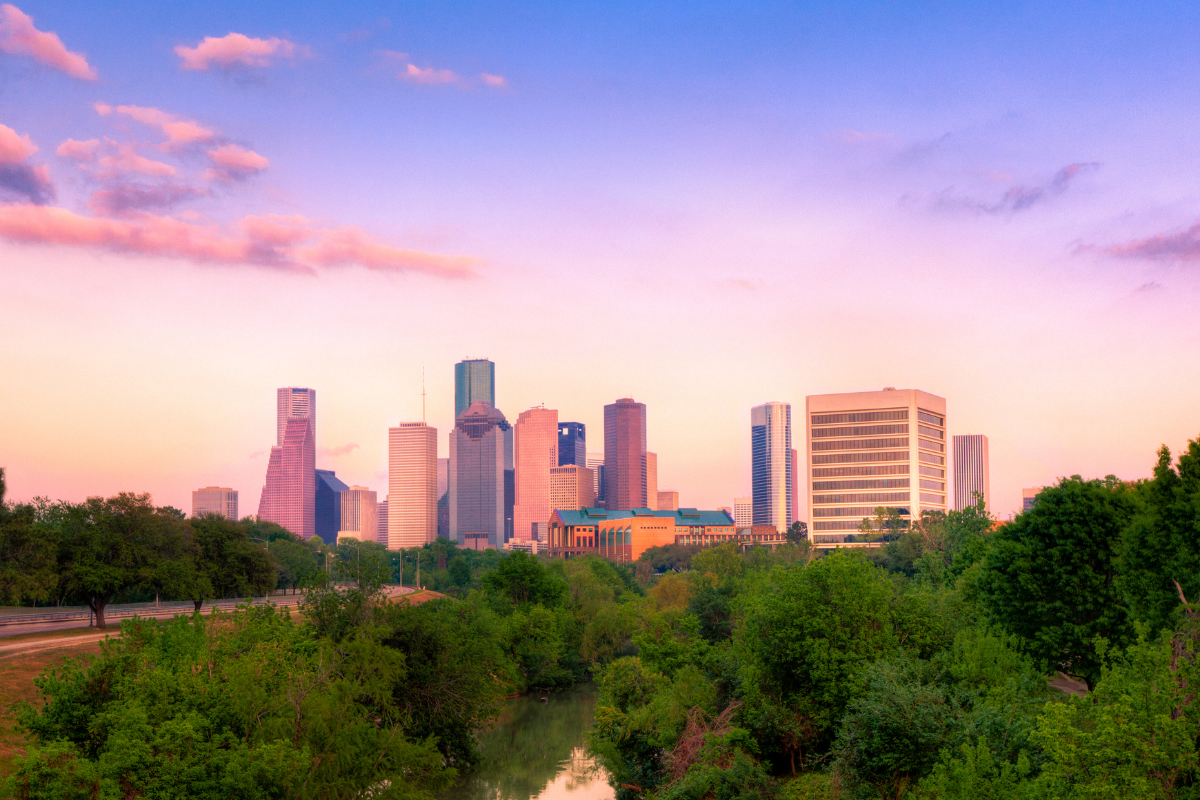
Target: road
15,625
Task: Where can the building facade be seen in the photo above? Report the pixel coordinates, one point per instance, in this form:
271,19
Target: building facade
381,523
667,501
360,514
743,511
625,455
796,501
867,450
651,480
292,402
1029,495
327,505
572,444
971,473
535,453
595,462
215,500
571,488
474,380
481,478
771,464
289,494
412,485
624,535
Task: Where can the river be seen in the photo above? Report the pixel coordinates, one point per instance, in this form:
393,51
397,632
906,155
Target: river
537,751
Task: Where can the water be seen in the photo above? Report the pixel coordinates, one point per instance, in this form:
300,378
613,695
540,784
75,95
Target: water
537,751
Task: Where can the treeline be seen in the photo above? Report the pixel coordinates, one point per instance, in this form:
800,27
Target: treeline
936,666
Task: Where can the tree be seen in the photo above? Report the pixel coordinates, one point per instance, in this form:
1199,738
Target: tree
1162,543
300,563
798,533
116,545
228,563
520,578
888,524
28,550
1050,575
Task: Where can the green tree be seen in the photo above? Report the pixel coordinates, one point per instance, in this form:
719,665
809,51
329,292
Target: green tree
299,564
797,533
521,579
227,562
28,554
1050,575
116,545
1162,543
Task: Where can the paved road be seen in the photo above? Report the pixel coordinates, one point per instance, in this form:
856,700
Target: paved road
18,628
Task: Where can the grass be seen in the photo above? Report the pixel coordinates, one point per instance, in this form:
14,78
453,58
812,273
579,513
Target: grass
418,597
17,671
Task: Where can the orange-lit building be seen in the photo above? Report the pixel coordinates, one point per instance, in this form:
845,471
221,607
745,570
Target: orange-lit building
625,535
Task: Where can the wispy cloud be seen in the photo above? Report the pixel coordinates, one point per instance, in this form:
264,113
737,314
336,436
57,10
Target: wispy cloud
340,450
18,178
1179,246
853,137
125,159
79,151
495,81
744,284
1017,198
234,163
179,131
382,24
414,74
411,73
238,50
124,198
19,37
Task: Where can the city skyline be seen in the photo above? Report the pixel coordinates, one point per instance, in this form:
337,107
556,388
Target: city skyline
823,165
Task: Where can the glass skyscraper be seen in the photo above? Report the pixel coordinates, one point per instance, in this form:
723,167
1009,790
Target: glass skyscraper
474,380
572,444
771,464
328,505
625,455
481,478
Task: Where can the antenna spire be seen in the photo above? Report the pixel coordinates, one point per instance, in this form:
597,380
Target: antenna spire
422,394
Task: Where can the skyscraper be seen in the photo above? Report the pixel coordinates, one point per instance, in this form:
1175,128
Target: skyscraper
971,473
667,501
595,462
291,402
743,512
796,501
535,453
481,478
474,379
771,464
651,480
872,449
625,455
289,494
360,508
328,505
571,488
572,444
381,526
215,500
412,485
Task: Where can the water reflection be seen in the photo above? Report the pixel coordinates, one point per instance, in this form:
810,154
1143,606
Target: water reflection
537,752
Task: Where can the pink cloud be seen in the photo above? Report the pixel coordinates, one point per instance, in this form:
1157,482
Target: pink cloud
18,37
1181,246
179,130
126,159
288,243
19,179
496,81
236,49
78,151
414,74
235,163
128,197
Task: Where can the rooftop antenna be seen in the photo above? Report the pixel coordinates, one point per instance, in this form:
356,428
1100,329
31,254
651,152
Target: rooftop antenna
422,394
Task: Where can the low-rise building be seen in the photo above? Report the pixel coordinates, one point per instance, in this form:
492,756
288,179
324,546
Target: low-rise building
625,535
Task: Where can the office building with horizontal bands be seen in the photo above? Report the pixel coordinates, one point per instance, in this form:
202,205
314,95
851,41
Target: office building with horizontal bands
360,514
866,450
381,522
535,453
292,402
771,464
289,494
624,535
481,478
215,500
571,488
474,381
327,507
572,444
743,511
412,485
971,473
625,455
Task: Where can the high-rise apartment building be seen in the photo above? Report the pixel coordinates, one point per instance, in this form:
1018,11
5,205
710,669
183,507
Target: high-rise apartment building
571,488
290,403
625,455
381,526
771,464
595,462
667,501
289,494
867,450
743,512
327,506
474,380
360,509
796,501
651,480
481,478
215,500
535,453
572,444
971,473
412,485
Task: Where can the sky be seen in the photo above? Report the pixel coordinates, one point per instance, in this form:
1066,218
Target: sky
703,207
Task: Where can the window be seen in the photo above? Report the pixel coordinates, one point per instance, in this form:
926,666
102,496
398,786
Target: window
932,419
850,511
937,486
850,458
932,433
930,445
840,472
881,497
859,444
933,472
863,430
933,498
930,458
858,416
894,483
